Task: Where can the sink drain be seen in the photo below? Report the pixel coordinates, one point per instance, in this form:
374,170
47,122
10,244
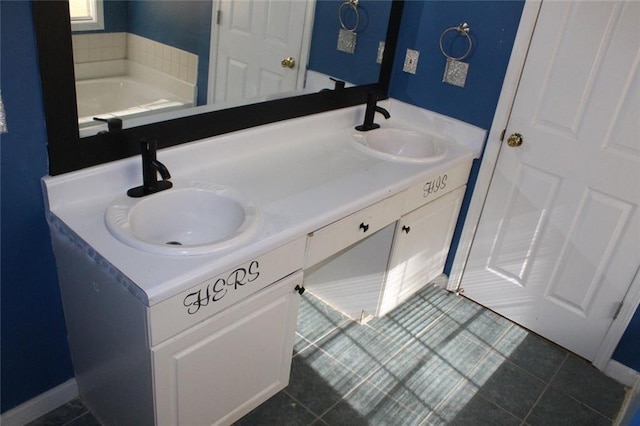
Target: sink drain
173,243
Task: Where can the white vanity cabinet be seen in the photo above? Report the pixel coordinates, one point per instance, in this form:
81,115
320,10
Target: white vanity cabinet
218,371
420,248
370,275
199,340
207,355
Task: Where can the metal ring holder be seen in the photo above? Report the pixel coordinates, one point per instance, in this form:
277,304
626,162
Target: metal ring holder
352,4
463,30
455,71
347,36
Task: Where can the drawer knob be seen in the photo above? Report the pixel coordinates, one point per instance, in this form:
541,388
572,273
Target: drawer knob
299,288
364,227
406,229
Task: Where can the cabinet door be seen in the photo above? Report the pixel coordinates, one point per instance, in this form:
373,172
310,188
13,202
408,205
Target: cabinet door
222,368
420,248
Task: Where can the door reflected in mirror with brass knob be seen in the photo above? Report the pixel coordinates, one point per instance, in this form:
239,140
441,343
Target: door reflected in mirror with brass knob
514,140
288,62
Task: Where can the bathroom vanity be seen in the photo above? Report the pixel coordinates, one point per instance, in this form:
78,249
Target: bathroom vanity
168,336
373,260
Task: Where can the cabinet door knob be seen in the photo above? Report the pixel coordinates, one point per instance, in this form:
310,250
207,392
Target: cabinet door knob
406,229
299,288
364,227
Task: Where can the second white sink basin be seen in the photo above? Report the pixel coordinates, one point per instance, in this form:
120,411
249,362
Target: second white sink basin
194,219
401,145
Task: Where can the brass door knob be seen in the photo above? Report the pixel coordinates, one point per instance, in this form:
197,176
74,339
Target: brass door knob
288,62
515,139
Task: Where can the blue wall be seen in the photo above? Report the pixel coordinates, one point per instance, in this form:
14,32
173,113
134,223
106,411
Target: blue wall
359,67
493,27
35,357
115,16
628,350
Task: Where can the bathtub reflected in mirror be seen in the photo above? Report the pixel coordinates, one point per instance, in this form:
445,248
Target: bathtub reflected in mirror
123,97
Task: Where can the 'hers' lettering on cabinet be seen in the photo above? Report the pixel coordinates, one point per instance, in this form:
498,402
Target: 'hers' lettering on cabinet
220,287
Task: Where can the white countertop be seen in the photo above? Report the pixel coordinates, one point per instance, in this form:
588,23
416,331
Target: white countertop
303,174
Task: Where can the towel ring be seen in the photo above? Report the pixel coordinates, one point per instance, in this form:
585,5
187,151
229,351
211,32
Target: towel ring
352,4
462,29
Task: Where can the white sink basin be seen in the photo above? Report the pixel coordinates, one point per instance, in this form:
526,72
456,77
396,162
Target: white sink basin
401,145
194,219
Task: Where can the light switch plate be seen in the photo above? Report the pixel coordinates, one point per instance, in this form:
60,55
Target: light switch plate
411,61
380,52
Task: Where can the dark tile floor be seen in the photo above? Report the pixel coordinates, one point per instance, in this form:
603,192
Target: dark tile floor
437,359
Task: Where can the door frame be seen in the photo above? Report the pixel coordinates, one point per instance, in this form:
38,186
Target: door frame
305,48
489,159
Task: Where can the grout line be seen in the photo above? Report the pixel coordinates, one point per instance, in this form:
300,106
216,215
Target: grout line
466,377
582,403
77,417
343,398
412,339
297,401
307,344
403,347
547,385
491,350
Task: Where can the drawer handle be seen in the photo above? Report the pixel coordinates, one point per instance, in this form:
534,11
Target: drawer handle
406,229
364,227
299,288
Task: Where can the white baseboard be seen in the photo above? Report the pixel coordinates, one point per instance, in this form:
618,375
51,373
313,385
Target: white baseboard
621,373
440,281
630,406
41,404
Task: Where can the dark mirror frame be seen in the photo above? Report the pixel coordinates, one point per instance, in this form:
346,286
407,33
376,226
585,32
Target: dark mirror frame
67,152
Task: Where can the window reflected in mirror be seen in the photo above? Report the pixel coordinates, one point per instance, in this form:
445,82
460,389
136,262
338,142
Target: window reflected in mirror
86,15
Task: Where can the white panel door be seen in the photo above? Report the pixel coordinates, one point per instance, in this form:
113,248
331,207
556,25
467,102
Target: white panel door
253,39
558,242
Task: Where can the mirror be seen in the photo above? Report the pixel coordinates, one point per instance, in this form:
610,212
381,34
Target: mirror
154,57
67,152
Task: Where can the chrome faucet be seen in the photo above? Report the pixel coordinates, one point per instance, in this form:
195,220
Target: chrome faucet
150,169
371,110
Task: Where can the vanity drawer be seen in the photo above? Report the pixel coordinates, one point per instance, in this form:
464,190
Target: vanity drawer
435,186
206,299
341,234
